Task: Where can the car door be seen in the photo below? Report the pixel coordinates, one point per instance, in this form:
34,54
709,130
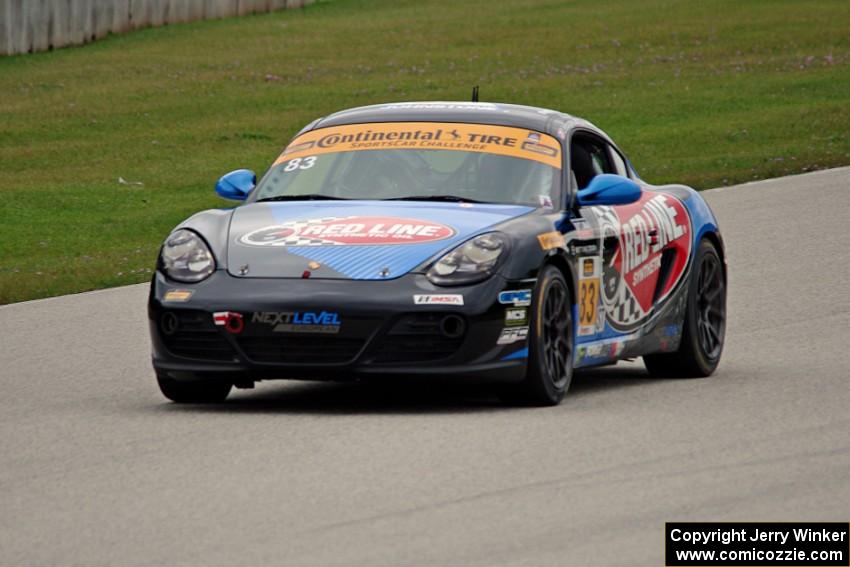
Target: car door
597,242
643,246
618,285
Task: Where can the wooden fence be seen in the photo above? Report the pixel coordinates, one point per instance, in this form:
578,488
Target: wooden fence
38,25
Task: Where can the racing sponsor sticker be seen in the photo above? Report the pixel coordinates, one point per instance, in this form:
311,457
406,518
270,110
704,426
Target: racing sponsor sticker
606,350
355,230
299,321
445,299
512,335
594,351
178,295
550,240
641,233
440,106
482,138
588,293
517,297
232,322
590,319
514,317
583,249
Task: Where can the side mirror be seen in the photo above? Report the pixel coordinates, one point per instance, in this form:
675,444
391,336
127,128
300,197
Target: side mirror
236,185
609,189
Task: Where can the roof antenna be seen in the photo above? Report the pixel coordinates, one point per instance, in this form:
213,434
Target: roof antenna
475,93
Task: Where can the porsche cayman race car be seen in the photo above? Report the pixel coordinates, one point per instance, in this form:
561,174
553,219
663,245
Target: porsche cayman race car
491,242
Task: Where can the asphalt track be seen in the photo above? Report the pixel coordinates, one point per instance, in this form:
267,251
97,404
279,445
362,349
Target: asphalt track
96,468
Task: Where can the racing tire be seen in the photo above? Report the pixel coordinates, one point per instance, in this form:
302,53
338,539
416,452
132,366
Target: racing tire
550,344
202,391
705,322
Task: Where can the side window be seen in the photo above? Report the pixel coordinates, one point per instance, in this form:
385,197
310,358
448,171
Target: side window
588,158
620,167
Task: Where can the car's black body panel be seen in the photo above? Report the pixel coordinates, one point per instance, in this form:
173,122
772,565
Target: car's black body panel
379,306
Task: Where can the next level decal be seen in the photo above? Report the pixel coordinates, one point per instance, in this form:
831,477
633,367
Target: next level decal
484,138
299,321
354,230
655,229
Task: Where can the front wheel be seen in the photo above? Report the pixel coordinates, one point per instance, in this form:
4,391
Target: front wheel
705,322
550,343
201,391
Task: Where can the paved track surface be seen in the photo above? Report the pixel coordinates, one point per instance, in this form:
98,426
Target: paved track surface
97,468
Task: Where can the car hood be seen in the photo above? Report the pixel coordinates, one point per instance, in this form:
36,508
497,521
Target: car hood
359,240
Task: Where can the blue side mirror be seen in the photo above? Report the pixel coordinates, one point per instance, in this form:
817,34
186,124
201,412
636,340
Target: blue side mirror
236,185
609,189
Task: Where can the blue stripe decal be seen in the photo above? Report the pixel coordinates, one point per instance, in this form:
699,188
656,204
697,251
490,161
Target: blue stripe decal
366,262
369,262
517,355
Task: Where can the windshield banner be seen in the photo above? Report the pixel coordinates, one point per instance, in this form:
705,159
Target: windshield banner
484,138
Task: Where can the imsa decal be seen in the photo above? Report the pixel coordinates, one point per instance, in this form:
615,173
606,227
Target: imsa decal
445,299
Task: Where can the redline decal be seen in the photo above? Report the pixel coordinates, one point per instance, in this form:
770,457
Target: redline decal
354,230
644,230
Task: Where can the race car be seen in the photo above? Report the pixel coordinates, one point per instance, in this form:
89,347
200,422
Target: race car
498,243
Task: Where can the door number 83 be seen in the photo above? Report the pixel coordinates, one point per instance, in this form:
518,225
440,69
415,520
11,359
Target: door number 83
588,293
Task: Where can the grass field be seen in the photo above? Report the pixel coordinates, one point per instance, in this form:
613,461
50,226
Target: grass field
706,93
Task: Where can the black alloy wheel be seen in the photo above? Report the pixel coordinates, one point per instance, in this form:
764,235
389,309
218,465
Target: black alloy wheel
704,328
550,344
557,346
711,306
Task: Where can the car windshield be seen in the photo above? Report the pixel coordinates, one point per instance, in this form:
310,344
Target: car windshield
418,161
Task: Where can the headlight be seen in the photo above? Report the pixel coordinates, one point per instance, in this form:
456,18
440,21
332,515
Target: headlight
186,257
471,262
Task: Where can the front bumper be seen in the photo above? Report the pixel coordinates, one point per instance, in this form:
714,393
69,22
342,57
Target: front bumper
376,330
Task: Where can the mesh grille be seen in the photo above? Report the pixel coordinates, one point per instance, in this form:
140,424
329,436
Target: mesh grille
195,337
301,349
416,338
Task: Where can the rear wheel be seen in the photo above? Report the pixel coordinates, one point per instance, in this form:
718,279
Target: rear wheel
201,391
705,322
550,344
